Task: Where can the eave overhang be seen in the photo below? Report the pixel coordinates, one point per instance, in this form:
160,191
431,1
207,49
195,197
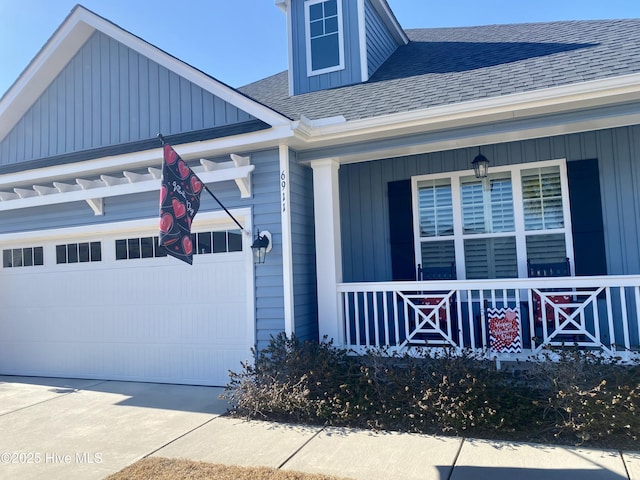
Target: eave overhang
314,138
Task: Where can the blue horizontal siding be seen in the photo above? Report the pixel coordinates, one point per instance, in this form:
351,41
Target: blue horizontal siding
269,283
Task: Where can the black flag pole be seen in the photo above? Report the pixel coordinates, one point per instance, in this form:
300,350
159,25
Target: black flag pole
162,141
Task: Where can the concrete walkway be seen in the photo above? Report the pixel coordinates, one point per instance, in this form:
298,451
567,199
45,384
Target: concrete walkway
88,429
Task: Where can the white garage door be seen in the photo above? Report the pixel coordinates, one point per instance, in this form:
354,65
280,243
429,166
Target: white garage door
95,308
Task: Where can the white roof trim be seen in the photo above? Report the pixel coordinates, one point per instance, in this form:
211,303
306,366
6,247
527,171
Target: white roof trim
66,42
390,19
550,100
282,5
362,39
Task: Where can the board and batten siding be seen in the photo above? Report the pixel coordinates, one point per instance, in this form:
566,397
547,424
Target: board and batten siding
303,250
380,43
109,94
349,75
364,204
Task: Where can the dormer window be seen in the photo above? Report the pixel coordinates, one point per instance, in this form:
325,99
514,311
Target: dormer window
323,26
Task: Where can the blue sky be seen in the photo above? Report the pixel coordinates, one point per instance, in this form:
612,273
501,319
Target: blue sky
240,41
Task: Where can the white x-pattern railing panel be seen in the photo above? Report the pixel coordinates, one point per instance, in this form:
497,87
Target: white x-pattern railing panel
598,313
95,189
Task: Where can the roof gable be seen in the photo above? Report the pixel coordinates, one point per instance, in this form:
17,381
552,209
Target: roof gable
85,42
108,94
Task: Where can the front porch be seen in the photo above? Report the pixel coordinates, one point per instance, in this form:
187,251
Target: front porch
564,199
600,313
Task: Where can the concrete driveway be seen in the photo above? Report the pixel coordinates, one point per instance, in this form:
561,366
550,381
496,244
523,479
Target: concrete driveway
88,429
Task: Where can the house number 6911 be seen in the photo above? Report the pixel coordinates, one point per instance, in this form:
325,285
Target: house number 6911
283,188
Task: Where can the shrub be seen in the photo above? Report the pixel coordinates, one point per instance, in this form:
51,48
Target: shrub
587,398
576,398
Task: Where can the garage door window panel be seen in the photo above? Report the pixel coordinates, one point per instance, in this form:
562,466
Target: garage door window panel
22,257
205,242
84,252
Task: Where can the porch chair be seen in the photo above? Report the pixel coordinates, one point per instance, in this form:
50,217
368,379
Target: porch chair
431,273
550,269
437,273
555,269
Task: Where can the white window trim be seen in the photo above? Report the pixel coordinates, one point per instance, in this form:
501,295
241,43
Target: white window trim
518,211
307,39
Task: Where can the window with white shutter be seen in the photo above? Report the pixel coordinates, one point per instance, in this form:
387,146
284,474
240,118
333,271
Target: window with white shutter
491,227
436,223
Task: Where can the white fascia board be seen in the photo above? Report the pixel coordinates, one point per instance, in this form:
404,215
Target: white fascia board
148,158
43,69
282,5
550,100
454,141
382,7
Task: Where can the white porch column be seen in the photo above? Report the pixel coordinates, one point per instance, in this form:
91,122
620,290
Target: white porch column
326,204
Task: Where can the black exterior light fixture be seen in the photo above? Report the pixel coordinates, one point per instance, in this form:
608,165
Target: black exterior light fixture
261,246
480,165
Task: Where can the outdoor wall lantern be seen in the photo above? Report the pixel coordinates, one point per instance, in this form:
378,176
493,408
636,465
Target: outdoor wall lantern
261,246
480,165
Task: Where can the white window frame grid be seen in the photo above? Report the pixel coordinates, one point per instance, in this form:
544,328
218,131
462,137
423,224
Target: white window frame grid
32,247
78,243
155,239
307,39
519,232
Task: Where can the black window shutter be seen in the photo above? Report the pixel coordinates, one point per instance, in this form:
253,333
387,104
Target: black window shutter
586,217
401,231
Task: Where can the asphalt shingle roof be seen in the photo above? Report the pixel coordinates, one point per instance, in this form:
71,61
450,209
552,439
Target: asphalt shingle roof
450,65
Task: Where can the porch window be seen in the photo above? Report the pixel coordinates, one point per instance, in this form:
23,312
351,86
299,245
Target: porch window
544,213
436,222
491,227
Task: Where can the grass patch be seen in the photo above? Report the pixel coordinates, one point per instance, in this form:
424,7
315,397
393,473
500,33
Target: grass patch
580,399
158,468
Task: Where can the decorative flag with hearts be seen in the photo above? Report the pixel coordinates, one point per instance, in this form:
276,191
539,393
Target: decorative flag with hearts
179,202
504,330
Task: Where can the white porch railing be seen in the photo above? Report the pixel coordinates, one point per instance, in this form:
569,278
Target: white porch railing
600,313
